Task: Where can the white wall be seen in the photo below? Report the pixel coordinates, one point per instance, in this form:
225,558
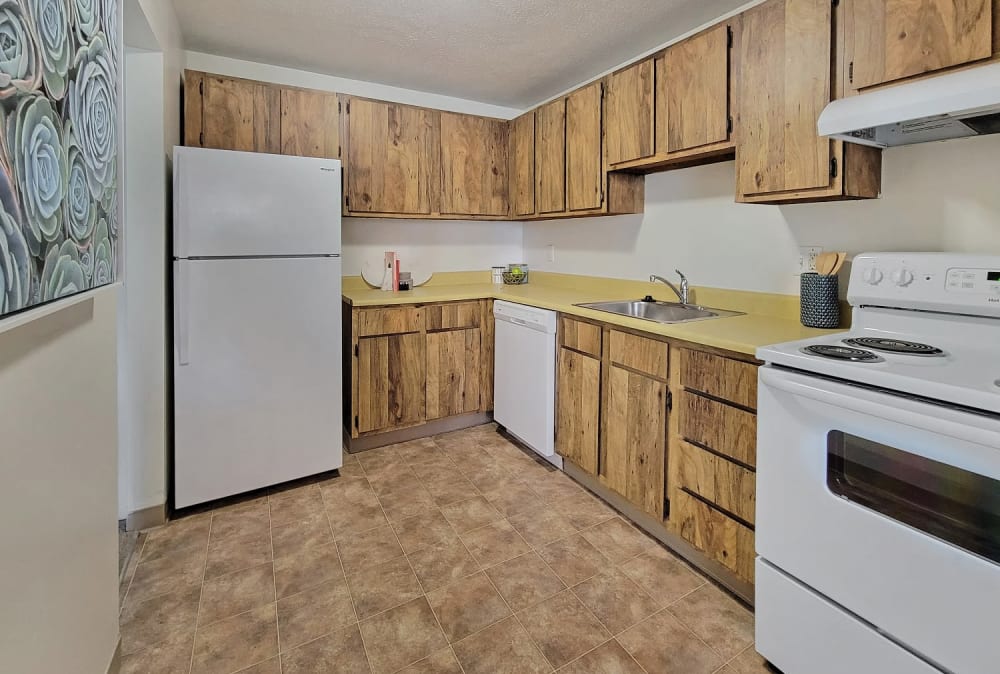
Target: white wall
59,584
940,196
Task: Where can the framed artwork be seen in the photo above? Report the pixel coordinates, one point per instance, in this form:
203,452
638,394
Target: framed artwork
60,108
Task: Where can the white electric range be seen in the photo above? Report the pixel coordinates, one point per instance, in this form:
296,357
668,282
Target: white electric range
878,477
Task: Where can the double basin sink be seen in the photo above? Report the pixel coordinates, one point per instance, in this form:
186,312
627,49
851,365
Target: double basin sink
660,312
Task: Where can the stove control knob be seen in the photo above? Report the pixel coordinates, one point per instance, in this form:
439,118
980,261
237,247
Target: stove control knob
902,277
873,276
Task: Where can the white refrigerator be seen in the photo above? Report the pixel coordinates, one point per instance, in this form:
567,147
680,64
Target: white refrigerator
257,321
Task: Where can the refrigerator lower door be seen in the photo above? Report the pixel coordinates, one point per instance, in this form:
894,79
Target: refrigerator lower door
257,374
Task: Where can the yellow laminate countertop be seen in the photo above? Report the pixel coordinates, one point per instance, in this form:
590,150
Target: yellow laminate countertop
770,324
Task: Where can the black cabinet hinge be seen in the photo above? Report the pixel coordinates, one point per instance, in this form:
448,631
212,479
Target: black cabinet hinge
348,107
850,72
836,3
347,201
356,423
833,167
729,36
339,107
201,139
201,87
356,350
729,124
670,401
666,508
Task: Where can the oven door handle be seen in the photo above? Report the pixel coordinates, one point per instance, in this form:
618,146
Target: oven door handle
942,419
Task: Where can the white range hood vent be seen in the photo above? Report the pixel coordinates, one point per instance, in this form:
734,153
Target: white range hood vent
959,104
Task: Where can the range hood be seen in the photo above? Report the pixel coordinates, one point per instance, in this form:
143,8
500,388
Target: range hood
956,105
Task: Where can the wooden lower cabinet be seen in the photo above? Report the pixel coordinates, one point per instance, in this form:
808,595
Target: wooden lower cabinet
720,537
391,381
578,408
453,372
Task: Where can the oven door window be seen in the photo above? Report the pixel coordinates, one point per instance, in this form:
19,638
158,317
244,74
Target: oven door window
949,503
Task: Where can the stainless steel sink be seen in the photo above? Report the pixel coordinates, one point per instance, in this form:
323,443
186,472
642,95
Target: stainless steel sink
660,312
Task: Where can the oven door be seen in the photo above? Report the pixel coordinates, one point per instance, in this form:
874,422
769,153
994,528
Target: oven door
888,506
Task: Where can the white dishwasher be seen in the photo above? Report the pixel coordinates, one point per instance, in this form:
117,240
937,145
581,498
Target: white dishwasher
525,375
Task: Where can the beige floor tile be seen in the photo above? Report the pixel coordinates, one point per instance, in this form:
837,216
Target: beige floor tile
379,463
554,486
252,519
166,574
467,606
269,666
182,536
367,548
383,586
236,643
483,474
541,527
608,658
171,616
664,577
617,540
573,559
747,662
290,539
439,565
351,517
237,592
583,510
442,662
314,612
407,502
295,506
661,644
397,478
615,599
402,636
350,470
503,648
494,543
309,568
172,656
452,490
524,581
470,514
563,628
427,528
240,552
511,497
720,621
356,490
417,451
340,652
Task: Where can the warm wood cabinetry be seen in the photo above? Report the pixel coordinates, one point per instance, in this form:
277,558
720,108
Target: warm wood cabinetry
310,124
473,165
629,113
696,90
231,114
584,156
522,165
550,157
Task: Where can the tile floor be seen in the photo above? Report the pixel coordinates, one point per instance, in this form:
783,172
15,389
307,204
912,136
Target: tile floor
454,554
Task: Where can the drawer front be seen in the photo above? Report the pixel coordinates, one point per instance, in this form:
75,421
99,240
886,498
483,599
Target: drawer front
723,428
720,537
648,356
453,316
389,321
580,336
719,377
724,483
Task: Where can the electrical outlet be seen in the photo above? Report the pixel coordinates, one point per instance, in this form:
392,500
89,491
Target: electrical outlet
551,253
807,258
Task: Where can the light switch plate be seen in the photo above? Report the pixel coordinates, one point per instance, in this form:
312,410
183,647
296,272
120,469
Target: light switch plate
807,258
550,253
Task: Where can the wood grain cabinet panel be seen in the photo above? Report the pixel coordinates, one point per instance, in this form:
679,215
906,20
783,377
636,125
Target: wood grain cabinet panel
725,429
720,537
649,356
550,157
629,107
453,372
522,172
389,320
240,115
578,409
580,336
310,124
473,165
697,90
720,377
391,382
726,484
584,157
895,39
453,315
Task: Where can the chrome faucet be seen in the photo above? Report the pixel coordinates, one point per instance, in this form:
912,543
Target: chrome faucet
682,292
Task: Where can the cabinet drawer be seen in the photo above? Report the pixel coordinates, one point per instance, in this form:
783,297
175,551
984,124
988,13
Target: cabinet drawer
724,483
389,321
723,428
720,537
639,353
580,336
720,377
454,316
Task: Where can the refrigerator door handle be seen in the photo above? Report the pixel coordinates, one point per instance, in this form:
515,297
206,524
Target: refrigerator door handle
181,315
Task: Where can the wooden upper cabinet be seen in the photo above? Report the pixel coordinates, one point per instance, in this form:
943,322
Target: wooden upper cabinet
584,156
238,115
629,108
522,165
310,124
392,158
893,39
473,165
550,157
695,87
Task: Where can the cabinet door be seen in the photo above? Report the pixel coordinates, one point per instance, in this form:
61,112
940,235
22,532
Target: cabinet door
310,124
697,90
893,39
392,157
630,114
240,115
584,158
473,165
635,438
391,381
453,372
550,156
784,84
522,180
578,408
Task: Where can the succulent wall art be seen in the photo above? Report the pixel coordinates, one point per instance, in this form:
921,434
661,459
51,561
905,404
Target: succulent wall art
60,66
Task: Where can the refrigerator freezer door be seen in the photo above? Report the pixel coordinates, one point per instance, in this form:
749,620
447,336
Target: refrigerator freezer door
247,204
257,374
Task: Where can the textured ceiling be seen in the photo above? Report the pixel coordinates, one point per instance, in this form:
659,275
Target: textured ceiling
507,52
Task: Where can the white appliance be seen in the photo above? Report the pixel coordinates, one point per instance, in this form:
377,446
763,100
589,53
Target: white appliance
878,477
525,376
954,105
257,321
